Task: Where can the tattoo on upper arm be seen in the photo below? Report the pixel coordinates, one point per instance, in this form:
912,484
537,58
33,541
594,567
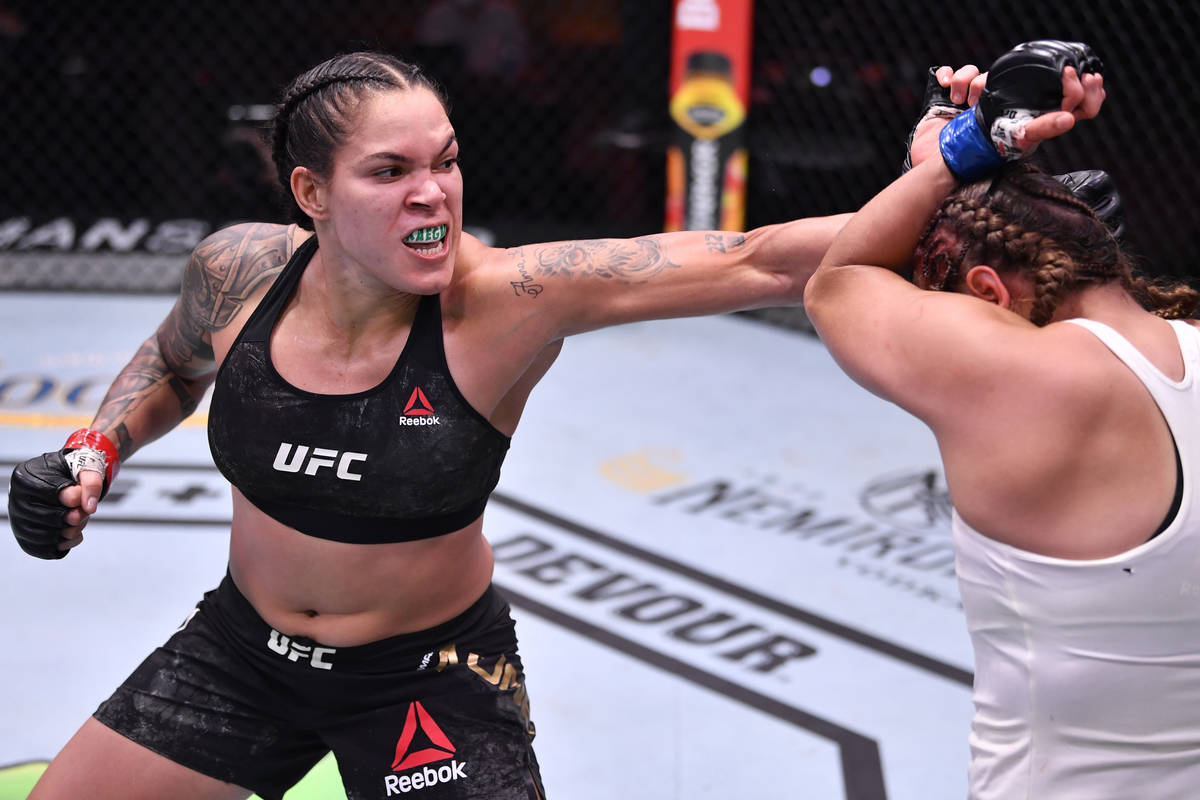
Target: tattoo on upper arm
627,260
221,274
723,243
527,285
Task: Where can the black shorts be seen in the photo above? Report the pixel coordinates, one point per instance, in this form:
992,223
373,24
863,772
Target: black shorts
441,713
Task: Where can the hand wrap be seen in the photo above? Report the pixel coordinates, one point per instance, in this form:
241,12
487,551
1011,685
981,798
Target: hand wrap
1022,84
94,451
1096,188
35,513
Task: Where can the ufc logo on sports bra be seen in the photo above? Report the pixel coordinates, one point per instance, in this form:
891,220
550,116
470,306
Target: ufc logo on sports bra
289,460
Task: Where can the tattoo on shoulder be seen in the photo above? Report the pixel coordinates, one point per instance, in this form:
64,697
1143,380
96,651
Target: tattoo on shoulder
626,260
723,242
223,271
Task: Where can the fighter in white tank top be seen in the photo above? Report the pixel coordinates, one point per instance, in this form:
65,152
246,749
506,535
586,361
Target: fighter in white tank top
1088,672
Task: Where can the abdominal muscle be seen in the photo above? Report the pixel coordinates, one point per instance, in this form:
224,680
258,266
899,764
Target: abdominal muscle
342,594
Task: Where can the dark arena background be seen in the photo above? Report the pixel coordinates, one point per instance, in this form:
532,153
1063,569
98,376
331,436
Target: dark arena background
731,567
148,115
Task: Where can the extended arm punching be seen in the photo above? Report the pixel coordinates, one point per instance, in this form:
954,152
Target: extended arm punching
586,285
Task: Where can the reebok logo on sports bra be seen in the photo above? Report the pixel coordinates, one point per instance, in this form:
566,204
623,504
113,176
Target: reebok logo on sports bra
418,404
418,410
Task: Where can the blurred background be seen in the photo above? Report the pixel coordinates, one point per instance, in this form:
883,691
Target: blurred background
133,129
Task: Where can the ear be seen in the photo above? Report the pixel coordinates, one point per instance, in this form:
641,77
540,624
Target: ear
984,282
309,191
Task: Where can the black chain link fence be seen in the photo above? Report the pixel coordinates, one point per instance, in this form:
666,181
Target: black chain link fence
817,149
132,129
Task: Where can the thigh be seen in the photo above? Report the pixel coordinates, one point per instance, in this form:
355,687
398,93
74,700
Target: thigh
100,763
201,703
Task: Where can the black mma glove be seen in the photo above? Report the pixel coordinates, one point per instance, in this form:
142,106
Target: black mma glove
936,105
1096,188
34,511
1022,84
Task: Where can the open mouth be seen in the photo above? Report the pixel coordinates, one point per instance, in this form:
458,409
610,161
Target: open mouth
428,242
427,238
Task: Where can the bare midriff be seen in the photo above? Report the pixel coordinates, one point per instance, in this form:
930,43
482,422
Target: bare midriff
342,594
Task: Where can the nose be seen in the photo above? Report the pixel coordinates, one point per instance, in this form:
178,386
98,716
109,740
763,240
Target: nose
427,193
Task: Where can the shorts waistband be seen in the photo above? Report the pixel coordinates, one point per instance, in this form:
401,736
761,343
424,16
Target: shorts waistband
233,606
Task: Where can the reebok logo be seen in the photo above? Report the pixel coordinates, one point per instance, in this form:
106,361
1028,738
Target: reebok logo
423,779
288,461
418,404
408,756
418,410
418,719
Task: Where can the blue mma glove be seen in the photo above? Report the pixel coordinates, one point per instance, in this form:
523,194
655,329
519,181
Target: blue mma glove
1022,84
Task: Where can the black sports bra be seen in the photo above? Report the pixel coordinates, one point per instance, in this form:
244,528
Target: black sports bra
407,459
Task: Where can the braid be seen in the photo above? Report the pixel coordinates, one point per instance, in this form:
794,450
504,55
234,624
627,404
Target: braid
1168,300
939,255
316,111
1006,243
1023,219
1052,280
306,86
1171,300
1054,191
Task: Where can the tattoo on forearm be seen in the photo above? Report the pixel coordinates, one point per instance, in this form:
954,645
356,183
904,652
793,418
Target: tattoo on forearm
526,285
723,243
630,261
124,442
145,374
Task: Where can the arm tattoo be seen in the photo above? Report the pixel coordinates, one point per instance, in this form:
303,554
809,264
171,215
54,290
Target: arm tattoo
223,271
627,260
722,243
124,441
527,285
142,376
145,374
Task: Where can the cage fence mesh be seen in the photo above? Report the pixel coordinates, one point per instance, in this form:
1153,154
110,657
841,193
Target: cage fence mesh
133,129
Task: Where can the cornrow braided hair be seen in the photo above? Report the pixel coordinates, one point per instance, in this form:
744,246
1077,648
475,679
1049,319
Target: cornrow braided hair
317,109
1024,219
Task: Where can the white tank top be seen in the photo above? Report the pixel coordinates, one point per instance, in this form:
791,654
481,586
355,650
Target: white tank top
1087,673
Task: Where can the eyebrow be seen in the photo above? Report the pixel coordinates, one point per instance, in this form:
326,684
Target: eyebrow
390,156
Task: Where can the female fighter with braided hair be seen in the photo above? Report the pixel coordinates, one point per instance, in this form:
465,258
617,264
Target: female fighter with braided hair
1064,393
368,367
